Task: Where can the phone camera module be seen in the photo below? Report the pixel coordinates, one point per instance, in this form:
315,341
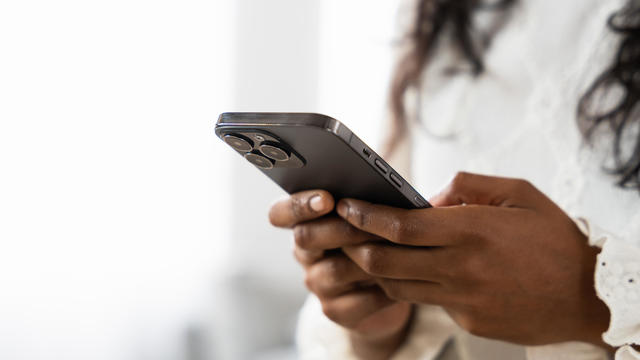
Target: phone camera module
259,161
239,142
274,152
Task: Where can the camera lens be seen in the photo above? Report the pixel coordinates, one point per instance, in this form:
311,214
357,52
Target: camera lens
259,161
274,152
239,142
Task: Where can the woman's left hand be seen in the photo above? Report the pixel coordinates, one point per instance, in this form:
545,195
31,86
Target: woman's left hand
497,254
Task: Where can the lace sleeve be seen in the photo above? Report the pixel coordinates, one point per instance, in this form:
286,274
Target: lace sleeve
617,282
432,329
318,338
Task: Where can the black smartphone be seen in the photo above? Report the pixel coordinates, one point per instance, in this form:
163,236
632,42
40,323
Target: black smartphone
304,151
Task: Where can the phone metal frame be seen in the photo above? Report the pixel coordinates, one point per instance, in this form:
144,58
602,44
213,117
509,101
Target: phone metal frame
250,120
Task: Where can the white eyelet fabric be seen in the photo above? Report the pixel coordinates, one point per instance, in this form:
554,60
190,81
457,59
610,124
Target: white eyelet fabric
617,282
318,338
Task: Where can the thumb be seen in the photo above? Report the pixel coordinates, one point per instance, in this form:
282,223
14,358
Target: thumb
474,189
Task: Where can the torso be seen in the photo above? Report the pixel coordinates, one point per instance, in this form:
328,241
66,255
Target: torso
518,119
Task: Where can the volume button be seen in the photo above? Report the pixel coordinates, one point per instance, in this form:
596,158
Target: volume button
381,166
396,180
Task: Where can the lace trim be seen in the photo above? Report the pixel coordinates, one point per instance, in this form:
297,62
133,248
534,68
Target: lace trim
627,353
318,338
617,282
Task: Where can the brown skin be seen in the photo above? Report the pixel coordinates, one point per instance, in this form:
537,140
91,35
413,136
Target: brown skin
349,296
500,257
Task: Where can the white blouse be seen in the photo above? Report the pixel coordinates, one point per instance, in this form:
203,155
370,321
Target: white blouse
518,119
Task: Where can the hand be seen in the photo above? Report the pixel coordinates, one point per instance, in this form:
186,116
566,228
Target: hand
497,254
349,296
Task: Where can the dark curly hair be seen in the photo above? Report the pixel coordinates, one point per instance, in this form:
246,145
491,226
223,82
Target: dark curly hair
622,76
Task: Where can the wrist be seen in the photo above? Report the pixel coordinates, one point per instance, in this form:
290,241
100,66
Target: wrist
596,315
599,322
595,338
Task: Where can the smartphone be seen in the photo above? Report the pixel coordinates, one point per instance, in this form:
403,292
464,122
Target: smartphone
304,151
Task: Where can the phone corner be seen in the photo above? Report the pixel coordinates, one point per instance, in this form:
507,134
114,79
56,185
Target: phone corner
339,129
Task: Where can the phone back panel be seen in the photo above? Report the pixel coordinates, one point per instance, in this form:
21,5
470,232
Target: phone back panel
331,161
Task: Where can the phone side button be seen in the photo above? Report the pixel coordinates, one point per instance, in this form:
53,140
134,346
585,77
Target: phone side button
421,202
381,166
396,180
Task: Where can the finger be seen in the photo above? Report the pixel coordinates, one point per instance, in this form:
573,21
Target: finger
425,227
300,207
467,188
350,309
336,275
388,320
307,257
328,233
398,262
414,291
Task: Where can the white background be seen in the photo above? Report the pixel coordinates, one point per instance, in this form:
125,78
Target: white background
120,213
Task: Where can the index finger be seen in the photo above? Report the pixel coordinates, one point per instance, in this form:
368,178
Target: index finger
329,232
301,207
423,227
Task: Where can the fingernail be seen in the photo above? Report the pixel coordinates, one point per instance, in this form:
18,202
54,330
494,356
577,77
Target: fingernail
316,203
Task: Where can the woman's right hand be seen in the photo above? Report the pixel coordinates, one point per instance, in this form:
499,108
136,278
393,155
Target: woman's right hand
349,296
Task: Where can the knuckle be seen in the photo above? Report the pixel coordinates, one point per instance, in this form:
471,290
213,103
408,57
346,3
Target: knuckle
274,215
450,275
399,229
333,271
476,328
459,180
298,207
521,186
350,232
470,283
392,289
309,281
373,258
296,255
272,218
359,216
469,323
332,312
302,236
526,184
471,266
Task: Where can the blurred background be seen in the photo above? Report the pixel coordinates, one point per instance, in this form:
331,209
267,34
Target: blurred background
127,229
